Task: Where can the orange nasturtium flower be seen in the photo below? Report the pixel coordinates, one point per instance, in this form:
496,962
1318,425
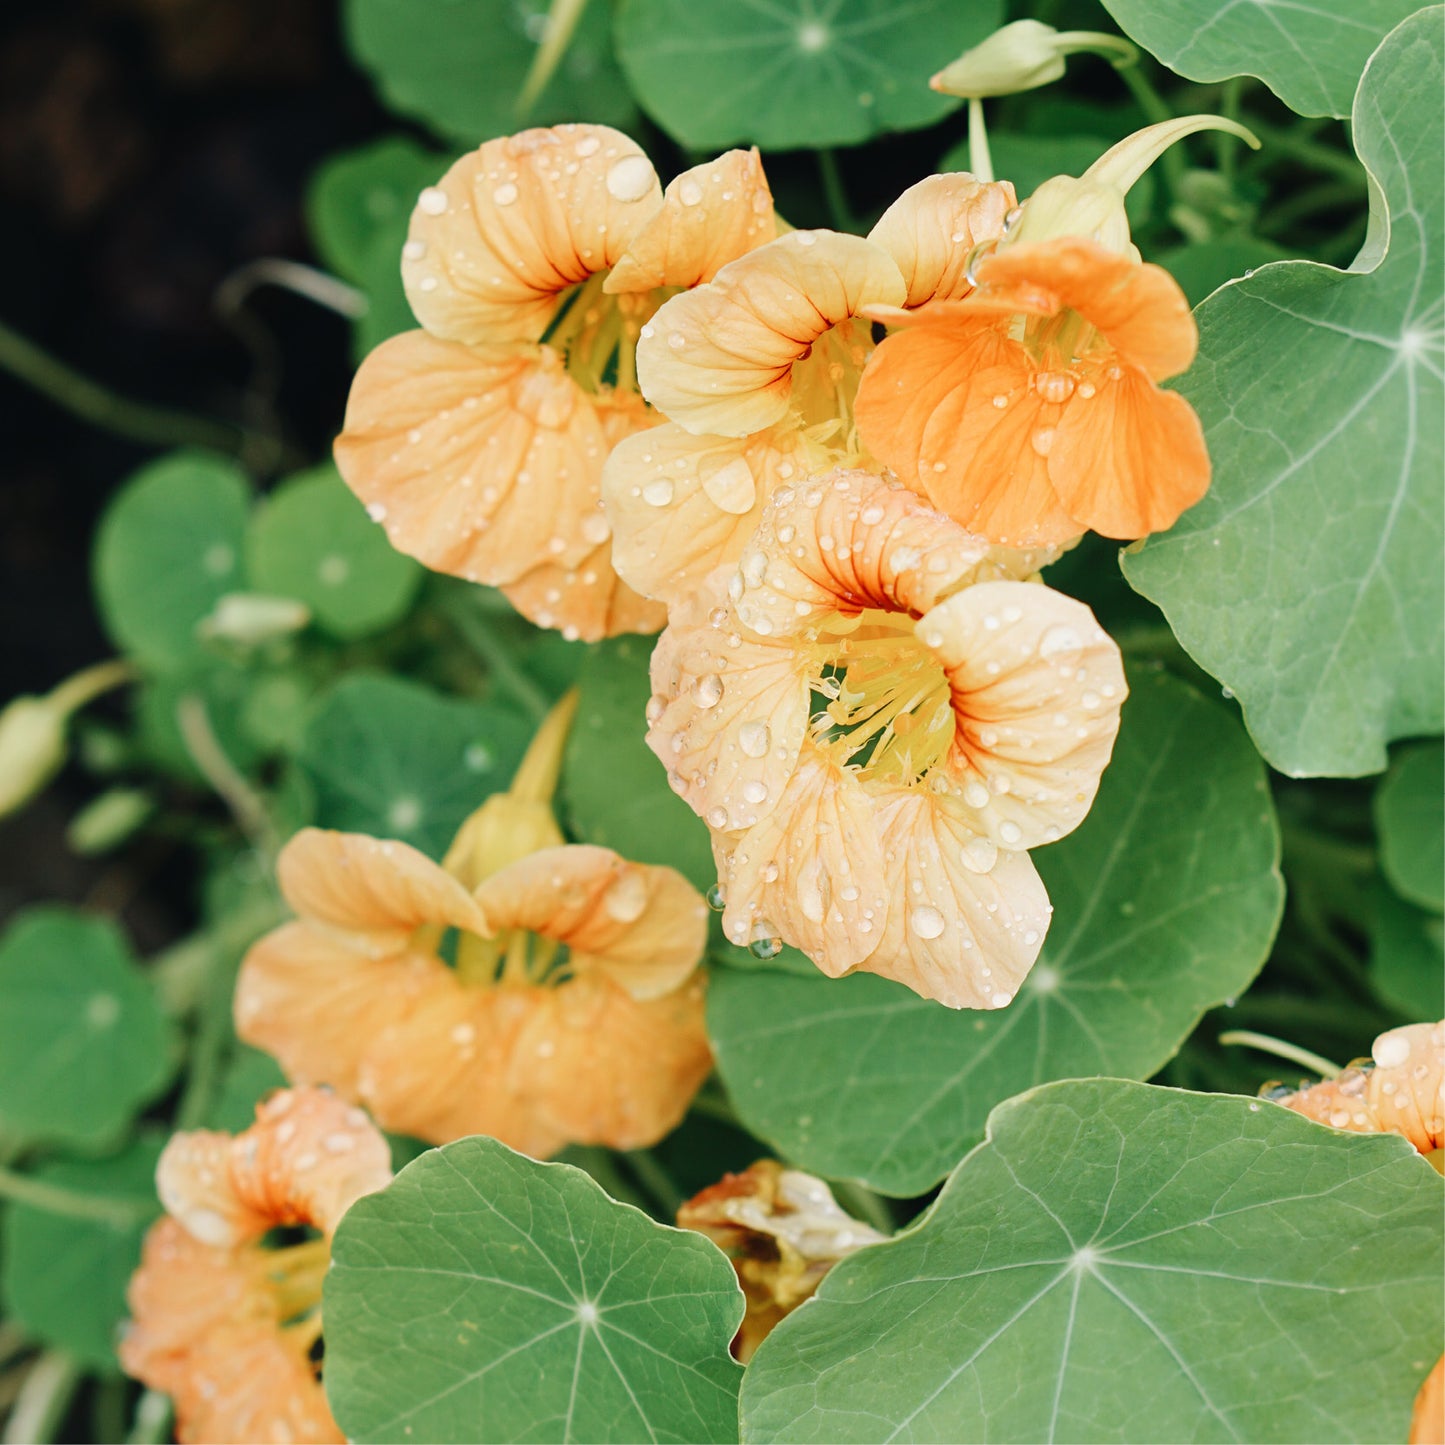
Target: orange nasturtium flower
573,1010
876,721
756,372
478,441
220,1323
783,1231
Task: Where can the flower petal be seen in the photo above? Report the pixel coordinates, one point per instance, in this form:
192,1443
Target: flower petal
934,225
1036,687
509,228
371,885
710,215
720,358
1128,459
1427,1419
585,602
645,926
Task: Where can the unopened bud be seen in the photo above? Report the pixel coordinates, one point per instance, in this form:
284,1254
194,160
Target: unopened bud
107,821
1024,56
249,619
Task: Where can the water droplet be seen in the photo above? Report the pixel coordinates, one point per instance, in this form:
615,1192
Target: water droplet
676,340
433,201
765,947
376,512
708,691
505,195
1002,1000
717,818
979,855
1000,401
587,146
1059,639
732,488
631,178
1010,832
1012,219
656,706
413,250
925,921
690,193
753,739
1042,440
754,791
716,898
658,493
627,897
595,528
975,795
805,238
1391,1050
1054,386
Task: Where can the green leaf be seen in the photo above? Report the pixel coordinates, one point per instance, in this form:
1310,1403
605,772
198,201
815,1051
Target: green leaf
1202,267
311,539
793,74
83,1043
1410,814
1310,55
64,1278
485,1297
615,791
1407,957
1165,903
459,65
1121,1263
168,548
250,1076
395,759
1308,580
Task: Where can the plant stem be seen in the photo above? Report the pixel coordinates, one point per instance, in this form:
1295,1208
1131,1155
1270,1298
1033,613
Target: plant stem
54,1199
980,161
224,776
839,211
137,420
1281,1050
43,1400
497,655
151,1423
561,25
1226,146
656,1180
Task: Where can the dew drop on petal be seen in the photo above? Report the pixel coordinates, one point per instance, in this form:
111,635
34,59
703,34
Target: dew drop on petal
716,898
979,855
1042,440
657,493
708,691
732,488
1010,832
626,899
1391,1051
690,193
753,739
433,201
926,921
765,947
595,528
1059,639
504,195
631,178
754,791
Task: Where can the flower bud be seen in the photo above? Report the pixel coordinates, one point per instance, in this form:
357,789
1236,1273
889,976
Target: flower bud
1024,56
107,821
249,619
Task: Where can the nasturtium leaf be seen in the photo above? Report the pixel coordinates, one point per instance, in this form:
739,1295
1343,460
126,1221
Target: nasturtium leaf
615,789
1309,52
1121,1262
1202,267
83,1042
312,540
485,1297
64,1277
250,1075
1165,902
397,760
791,74
1407,957
1308,580
168,548
460,65
1410,815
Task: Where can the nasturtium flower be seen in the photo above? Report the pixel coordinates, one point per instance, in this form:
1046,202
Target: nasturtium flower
219,1322
756,372
876,719
783,1231
478,441
568,1007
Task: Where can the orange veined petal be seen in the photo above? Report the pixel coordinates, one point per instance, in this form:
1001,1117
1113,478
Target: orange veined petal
1138,307
512,226
934,225
308,1157
720,358
643,925
709,215
372,885
314,1001
585,602
1126,457
1036,686
1427,1420
949,404
681,505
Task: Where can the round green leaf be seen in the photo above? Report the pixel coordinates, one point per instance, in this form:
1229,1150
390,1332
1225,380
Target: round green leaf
1407,957
1410,814
1202,267
1308,580
484,1297
459,65
793,73
169,547
83,1043
1310,55
1120,1263
395,759
1165,901
65,1277
615,790
249,1077
312,540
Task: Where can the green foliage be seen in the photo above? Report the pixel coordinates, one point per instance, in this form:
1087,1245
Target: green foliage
1166,899
1308,579
397,760
83,1042
459,66
1407,957
1121,1262
1410,814
484,1297
615,791
793,74
312,540
168,549
63,1277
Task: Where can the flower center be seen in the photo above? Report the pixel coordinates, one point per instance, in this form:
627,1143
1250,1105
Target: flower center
825,382
292,1276
1063,347
887,708
515,955
596,333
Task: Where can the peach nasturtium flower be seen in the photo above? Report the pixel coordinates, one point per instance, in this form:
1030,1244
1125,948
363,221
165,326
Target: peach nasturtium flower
219,1322
783,1231
478,440
756,372
876,720
572,1009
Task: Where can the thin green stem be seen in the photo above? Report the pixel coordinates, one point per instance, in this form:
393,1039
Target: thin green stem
151,1423
245,803
43,1400
834,192
1226,146
656,1180
54,1199
980,161
506,671
1266,1044
137,420
561,24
